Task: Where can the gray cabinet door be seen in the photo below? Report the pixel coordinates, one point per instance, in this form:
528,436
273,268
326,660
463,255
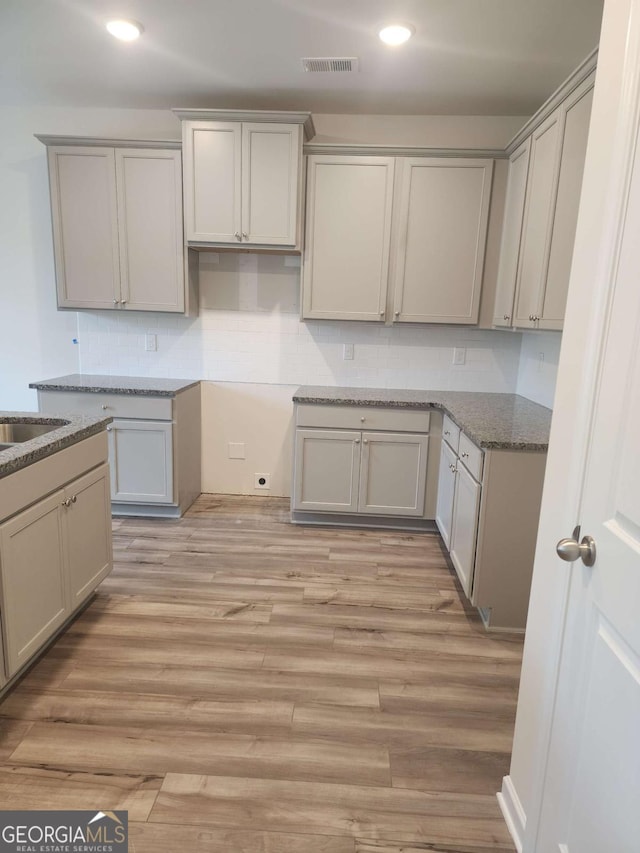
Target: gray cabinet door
466,508
442,233
87,522
34,599
141,457
348,233
327,466
393,474
149,191
446,491
85,226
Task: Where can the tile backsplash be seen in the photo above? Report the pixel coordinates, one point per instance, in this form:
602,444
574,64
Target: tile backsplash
249,330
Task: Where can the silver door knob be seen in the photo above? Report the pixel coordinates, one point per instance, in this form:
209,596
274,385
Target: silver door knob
571,550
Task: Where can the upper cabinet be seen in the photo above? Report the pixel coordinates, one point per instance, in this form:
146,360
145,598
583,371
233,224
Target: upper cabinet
432,236
117,226
441,238
348,232
543,196
243,178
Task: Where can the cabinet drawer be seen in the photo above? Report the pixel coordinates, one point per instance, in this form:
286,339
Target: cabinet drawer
450,432
116,405
471,456
359,417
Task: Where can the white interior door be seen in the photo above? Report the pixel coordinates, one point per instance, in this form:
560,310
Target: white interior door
592,782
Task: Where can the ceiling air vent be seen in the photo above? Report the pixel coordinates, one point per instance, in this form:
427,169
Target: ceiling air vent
332,64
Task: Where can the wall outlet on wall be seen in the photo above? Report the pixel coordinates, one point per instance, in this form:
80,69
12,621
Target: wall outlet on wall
459,355
540,361
347,352
235,450
151,342
262,481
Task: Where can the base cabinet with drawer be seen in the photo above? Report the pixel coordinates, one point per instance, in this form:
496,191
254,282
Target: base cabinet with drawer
154,446
487,514
54,551
378,467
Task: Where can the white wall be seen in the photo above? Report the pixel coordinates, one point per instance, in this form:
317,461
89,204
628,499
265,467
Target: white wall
538,368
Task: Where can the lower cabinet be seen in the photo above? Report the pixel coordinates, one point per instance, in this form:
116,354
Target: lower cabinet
380,471
487,513
52,557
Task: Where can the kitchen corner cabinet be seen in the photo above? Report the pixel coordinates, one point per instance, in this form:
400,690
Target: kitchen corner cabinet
242,180
360,462
55,551
536,265
117,227
397,239
487,513
441,240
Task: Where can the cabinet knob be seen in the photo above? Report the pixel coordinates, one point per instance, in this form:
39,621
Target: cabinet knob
357,441
382,313
245,235
123,301
365,441
534,318
66,503
237,235
464,455
74,499
104,408
116,302
362,420
396,313
506,317
446,432
108,429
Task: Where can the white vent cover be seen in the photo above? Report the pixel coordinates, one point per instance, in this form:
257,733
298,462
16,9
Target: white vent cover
332,64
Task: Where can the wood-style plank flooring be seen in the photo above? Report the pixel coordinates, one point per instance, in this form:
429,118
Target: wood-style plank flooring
241,685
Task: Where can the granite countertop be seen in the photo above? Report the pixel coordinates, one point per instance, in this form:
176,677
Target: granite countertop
141,386
492,421
69,430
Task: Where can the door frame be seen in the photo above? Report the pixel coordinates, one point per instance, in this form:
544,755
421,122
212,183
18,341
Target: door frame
613,131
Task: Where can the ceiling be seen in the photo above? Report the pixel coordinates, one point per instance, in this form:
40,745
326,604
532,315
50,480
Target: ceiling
468,57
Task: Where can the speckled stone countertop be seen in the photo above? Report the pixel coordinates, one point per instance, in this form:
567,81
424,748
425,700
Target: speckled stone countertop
492,421
141,386
69,430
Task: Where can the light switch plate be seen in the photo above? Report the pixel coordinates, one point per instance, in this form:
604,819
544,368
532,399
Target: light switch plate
151,342
347,352
459,355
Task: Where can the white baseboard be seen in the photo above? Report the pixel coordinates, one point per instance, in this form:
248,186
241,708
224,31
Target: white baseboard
512,811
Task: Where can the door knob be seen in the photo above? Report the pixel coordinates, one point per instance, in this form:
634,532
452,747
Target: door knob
571,550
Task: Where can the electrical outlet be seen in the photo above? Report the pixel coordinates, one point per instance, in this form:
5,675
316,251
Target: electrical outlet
235,450
151,343
262,481
347,352
540,361
459,355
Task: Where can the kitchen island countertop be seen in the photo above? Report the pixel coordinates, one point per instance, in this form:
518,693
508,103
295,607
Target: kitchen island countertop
493,421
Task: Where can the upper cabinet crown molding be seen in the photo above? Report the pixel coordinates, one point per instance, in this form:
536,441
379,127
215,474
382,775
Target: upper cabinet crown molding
272,117
358,149
582,72
104,142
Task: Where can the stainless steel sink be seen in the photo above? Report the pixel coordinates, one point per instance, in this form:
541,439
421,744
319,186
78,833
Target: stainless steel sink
16,433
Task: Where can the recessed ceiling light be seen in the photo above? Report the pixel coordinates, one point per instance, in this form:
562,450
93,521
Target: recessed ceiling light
396,34
125,30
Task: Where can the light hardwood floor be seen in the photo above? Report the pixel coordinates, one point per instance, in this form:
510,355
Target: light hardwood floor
241,685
